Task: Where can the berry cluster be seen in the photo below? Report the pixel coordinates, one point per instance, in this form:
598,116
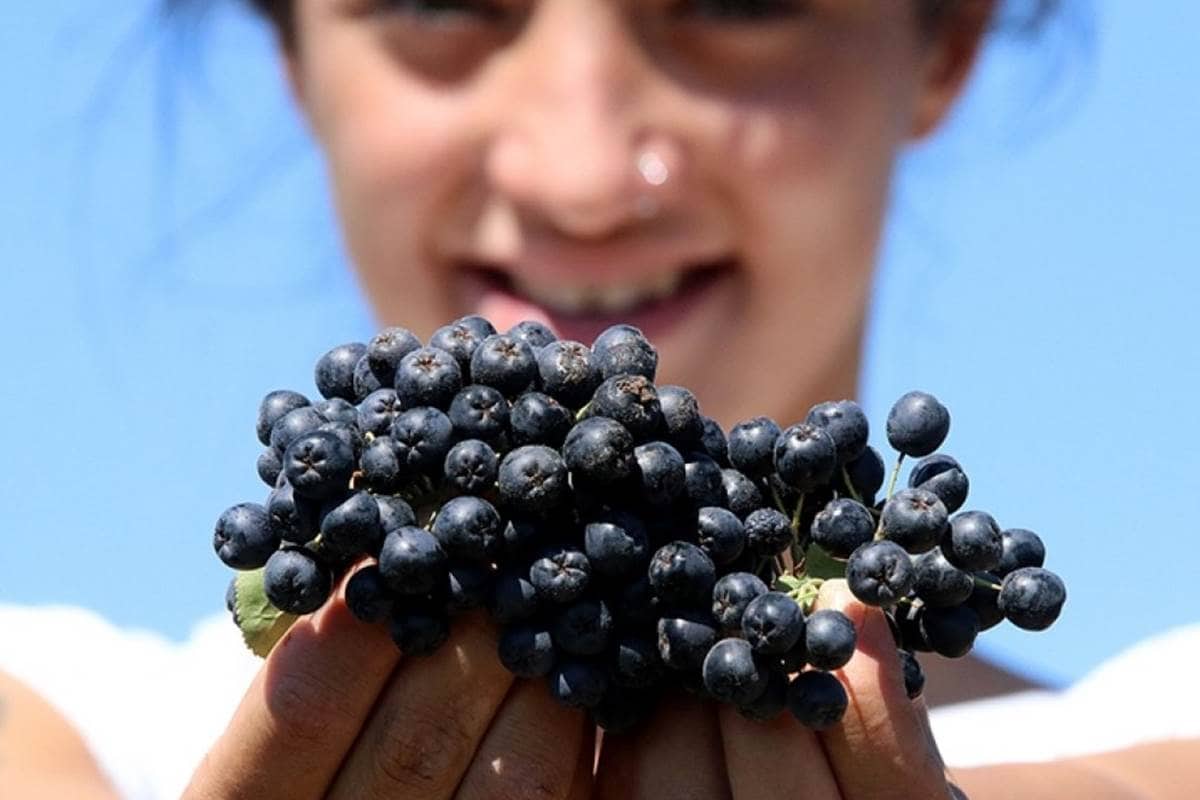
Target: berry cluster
621,540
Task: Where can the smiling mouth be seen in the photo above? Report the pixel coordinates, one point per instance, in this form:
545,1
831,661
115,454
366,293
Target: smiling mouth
580,302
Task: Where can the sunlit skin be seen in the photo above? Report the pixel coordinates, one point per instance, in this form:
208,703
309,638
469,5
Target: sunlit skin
457,139
483,150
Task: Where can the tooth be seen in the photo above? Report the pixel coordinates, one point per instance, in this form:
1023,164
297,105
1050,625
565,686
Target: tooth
567,299
618,299
666,285
576,299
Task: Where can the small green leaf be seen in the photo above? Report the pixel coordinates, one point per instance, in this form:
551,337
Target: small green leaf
262,624
821,565
788,584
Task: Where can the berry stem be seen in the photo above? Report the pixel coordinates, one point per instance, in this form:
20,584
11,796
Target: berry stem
986,584
796,515
779,504
850,485
895,476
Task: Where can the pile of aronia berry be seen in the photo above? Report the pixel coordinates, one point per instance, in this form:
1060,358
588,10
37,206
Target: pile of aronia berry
624,544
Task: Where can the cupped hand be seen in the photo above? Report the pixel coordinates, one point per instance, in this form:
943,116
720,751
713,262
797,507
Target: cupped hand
881,750
337,712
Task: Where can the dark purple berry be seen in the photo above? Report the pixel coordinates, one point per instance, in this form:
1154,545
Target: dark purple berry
583,628
623,350
295,581
682,574
720,533
617,545
244,537
880,573
752,446
731,595
353,528
412,561
471,467
428,376
568,372
378,411
845,423
661,472
526,651
561,575
731,673
537,418
950,631
533,481
631,400
917,424
504,363
1019,548
423,438
469,528
334,373
1032,598
914,519
943,476
368,596
479,412
319,465
768,532
274,407
600,450
772,623
817,699
385,351
805,457
713,442
685,638
829,639
842,527
973,542
939,583
533,333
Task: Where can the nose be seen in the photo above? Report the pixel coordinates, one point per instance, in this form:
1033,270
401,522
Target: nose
576,144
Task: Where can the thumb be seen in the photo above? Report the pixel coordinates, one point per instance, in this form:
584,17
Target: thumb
883,747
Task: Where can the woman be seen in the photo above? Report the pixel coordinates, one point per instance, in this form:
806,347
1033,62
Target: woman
713,171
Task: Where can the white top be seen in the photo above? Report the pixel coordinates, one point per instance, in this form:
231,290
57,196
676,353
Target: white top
149,708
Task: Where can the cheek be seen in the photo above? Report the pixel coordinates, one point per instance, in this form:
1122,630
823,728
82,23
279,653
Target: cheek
394,146
810,161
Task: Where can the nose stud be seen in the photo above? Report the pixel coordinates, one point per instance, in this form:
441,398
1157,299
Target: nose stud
654,173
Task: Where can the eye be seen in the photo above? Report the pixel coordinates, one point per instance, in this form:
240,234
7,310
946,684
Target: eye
446,41
446,11
739,11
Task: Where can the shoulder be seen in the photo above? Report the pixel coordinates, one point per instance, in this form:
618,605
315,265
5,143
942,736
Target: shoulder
1143,694
40,753
146,707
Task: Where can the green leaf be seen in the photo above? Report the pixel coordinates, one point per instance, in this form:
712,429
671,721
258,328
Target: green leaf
788,584
262,624
821,565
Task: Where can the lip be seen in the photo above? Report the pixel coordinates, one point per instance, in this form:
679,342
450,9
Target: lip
489,291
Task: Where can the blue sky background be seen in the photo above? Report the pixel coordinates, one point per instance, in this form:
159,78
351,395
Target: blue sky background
168,255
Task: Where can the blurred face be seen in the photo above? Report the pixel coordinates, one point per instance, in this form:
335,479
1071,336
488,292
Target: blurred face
712,171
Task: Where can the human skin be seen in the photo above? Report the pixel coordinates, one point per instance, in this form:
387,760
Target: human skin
512,145
461,140
518,152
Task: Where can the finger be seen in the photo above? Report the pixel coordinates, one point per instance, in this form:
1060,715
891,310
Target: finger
585,764
780,758
531,750
429,720
883,748
676,754
302,712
